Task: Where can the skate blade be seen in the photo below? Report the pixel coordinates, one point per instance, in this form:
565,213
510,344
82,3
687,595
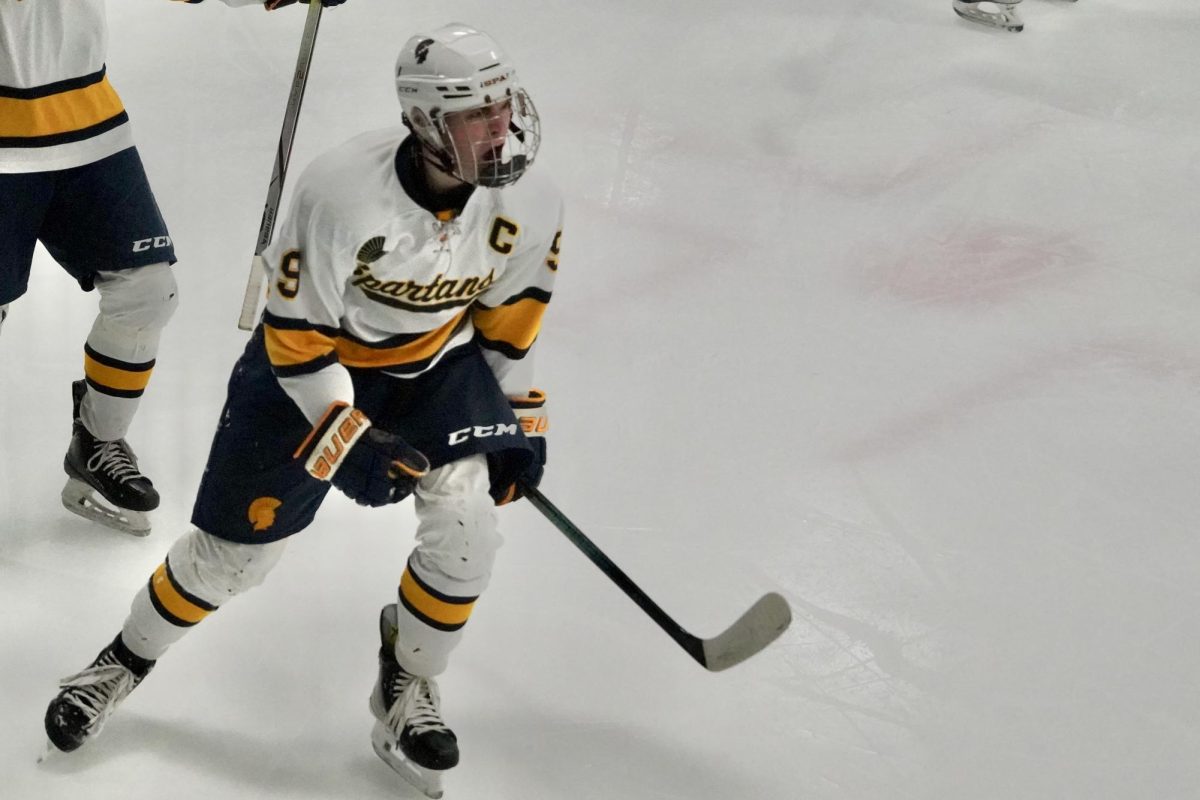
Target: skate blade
1003,20
49,751
426,781
81,499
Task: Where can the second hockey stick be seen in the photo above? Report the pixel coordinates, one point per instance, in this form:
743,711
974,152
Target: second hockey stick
754,630
283,154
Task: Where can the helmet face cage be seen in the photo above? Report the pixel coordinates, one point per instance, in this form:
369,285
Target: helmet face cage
487,145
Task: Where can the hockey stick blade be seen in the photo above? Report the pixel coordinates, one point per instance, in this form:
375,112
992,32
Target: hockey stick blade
753,631
762,624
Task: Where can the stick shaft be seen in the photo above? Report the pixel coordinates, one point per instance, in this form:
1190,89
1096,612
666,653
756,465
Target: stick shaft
690,643
283,154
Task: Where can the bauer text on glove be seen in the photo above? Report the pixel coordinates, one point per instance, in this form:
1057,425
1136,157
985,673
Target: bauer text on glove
370,466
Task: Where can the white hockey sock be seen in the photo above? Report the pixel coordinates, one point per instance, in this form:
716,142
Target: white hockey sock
449,568
120,352
199,574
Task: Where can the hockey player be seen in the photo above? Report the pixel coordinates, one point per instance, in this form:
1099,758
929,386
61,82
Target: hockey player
409,282
71,177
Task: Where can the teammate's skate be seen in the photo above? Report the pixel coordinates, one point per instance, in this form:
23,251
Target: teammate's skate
409,734
87,699
103,481
997,14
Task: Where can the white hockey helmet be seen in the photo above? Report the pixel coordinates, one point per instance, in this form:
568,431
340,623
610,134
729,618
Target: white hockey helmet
461,97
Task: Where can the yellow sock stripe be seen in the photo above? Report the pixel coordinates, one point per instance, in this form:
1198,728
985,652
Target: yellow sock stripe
62,112
114,377
175,604
431,607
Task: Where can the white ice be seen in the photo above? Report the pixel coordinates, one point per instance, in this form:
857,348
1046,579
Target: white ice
859,302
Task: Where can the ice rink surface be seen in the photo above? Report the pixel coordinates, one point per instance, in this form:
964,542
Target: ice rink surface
858,302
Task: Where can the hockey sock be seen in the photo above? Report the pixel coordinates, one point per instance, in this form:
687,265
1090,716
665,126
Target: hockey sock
429,621
120,352
162,612
199,574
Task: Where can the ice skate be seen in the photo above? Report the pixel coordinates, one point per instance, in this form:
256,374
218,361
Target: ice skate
87,699
103,481
1000,14
409,734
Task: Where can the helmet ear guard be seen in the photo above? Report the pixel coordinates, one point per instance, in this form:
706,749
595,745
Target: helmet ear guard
458,69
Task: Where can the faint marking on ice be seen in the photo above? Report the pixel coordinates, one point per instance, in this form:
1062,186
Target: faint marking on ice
916,549
986,264
1149,359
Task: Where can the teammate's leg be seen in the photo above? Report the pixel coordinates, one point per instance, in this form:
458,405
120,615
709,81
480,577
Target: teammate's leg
119,356
104,227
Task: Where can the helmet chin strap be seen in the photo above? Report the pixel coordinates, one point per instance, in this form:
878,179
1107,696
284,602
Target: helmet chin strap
441,162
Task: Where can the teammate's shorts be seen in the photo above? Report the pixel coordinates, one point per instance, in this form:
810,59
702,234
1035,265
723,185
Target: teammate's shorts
255,491
98,217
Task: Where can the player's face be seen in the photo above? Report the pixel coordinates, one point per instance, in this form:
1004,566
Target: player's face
477,136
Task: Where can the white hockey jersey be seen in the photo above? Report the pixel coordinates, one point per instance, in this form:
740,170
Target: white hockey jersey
363,276
57,108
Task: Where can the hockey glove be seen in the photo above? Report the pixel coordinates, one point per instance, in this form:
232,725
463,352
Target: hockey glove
370,466
271,5
531,414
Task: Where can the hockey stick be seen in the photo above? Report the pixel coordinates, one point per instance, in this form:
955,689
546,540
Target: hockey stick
283,153
754,630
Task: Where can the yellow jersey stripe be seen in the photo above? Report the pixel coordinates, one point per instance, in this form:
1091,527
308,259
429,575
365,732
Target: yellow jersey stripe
287,348
59,113
355,354
517,324
435,611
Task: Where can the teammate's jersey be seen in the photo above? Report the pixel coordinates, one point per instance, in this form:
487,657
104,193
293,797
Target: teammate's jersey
363,276
57,108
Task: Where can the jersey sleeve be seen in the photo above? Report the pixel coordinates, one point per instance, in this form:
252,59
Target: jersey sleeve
308,266
508,316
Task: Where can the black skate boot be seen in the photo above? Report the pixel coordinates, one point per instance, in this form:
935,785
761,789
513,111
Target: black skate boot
103,481
87,699
409,734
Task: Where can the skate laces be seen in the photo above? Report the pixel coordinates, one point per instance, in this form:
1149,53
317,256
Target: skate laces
416,706
114,459
97,690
